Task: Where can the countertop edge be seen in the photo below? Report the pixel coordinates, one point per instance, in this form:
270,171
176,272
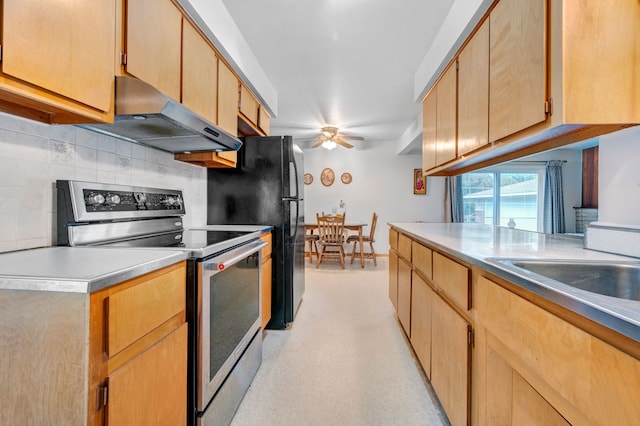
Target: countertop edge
74,285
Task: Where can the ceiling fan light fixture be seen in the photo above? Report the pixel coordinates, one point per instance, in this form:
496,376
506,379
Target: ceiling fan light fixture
329,132
329,144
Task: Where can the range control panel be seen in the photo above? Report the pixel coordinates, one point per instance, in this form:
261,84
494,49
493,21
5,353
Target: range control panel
96,200
85,202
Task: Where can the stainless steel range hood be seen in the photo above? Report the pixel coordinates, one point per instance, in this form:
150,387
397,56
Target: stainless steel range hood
146,116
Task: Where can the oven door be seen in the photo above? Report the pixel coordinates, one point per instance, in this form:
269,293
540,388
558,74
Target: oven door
230,313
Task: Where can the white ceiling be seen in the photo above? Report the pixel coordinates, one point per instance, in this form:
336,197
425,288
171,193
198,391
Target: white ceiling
347,63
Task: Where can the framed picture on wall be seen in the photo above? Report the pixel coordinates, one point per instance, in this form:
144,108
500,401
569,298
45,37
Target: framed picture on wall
419,182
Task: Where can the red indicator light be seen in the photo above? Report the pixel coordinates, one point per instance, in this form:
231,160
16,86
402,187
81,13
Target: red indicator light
220,267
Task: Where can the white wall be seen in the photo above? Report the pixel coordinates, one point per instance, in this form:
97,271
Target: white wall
619,178
34,155
382,182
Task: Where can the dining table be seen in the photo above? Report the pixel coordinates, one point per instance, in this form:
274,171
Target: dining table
352,226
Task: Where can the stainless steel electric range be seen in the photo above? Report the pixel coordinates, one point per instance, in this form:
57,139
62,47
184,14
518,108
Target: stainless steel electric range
223,281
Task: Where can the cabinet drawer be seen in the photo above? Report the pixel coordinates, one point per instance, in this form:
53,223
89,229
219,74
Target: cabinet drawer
404,246
452,279
393,239
422,259
137,310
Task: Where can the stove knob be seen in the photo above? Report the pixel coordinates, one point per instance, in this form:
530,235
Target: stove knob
171,202
94,199
112,199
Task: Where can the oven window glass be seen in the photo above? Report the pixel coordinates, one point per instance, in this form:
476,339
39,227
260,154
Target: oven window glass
235,307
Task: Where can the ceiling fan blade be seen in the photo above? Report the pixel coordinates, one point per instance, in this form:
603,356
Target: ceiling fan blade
319,142
352,138
339,141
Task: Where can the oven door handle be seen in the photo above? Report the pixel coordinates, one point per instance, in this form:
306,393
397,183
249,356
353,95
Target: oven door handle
220,263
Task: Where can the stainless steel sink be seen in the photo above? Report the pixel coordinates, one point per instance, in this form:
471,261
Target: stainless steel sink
615,279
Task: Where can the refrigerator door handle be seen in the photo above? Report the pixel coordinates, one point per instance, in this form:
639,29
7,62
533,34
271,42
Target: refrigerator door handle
297,222
295,174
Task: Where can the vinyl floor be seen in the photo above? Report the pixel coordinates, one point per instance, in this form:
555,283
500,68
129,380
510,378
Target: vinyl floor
344,361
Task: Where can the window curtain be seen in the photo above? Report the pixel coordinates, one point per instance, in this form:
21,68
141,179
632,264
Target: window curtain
553,222
453,205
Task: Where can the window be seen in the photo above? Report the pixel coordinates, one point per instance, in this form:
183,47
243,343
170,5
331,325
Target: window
504,198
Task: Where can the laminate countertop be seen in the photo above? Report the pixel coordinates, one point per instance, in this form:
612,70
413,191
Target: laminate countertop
79,269
484,246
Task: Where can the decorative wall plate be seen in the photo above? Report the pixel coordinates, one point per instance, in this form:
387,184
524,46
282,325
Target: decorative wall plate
346,178
327,177
308,179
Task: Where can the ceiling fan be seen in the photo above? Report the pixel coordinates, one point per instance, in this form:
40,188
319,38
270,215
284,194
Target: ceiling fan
329,138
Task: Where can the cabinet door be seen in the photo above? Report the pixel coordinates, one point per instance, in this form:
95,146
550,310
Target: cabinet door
393,280
228,98
199,74
404,295
517,66
450,360
473,92
264,121
429,109
153,39
421,305
446,116
512,400
152,388
266,292
249,105
64,48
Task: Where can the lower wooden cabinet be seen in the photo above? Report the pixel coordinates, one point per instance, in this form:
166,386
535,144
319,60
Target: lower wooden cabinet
505,360
266,278
116,356
393,279
450,361
439,335
422,297
404,295
151,388
539,361
138,350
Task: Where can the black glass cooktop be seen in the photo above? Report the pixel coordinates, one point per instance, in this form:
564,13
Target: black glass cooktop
200,242
200,238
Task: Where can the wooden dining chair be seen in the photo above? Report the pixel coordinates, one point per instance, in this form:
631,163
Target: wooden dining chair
330,238
312,239
355,239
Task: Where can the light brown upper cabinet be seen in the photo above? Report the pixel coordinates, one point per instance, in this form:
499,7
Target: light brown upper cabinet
559,72
446,116
228,98
153,44
473,92
199,74
439,121
57,62
249,105
429,109
517,66
264,121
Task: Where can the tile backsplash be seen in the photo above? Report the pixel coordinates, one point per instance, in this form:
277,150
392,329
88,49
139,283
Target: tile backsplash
34,155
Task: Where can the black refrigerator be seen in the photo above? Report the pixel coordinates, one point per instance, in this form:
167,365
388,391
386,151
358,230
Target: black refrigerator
266,188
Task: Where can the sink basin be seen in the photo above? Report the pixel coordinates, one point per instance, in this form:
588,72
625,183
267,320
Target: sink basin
615,279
